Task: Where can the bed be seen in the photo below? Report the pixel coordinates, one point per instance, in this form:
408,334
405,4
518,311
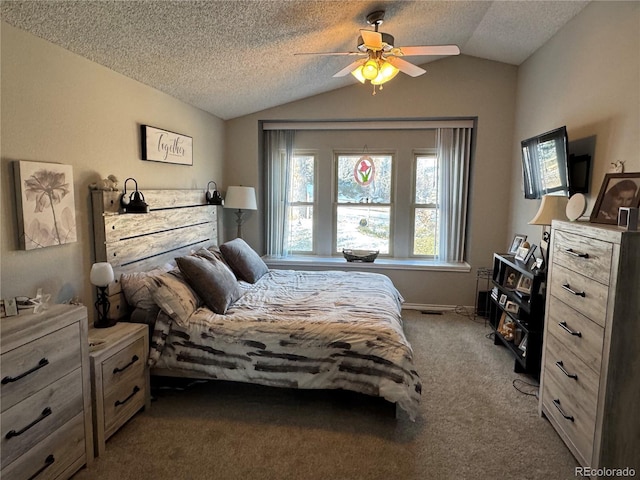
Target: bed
220,313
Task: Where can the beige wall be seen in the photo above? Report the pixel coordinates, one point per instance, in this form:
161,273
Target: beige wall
586,77
59,107
454,87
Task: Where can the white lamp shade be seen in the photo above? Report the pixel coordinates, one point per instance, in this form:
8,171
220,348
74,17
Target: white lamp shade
240,198
101,274
553,207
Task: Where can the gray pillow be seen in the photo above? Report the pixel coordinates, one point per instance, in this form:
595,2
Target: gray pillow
243,260
212,280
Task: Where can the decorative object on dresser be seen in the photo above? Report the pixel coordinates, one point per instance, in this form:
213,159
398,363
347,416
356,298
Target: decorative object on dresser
589,387
576,206
239,199
46,394
516,311
45,204
628,218
135,202
119,377
101,276
618,190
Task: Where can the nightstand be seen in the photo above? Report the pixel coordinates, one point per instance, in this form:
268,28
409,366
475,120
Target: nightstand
119,377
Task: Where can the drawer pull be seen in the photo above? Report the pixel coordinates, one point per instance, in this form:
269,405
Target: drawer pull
571,251
42,363
560,365
567,287
564,326
136,389
47,463
556,402
134,359
12,433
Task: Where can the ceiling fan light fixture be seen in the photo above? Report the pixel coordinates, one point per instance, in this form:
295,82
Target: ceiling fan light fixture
386,73
370,69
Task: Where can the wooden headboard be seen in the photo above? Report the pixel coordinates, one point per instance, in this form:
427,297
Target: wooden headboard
179,222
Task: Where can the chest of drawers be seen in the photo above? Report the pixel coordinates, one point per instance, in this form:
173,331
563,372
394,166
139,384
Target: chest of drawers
120,377
45,394
590,381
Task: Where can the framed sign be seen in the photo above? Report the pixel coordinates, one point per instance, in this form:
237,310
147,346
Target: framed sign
165,146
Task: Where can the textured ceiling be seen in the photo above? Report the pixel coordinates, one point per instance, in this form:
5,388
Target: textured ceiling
232,58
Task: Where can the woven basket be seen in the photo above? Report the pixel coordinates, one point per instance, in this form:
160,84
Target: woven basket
368,256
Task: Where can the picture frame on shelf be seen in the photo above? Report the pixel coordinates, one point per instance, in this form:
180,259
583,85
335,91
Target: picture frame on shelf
503,300
511,278
617,190
529,255
518,240
523,343
523,251
501,323
512,307
524,285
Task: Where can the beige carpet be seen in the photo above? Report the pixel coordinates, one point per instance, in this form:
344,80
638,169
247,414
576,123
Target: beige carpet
473,425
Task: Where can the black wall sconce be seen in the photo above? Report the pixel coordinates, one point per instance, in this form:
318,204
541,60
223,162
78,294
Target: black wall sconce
213,197
135,202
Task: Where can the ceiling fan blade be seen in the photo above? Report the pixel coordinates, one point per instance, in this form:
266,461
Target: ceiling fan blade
350,68
330,53
406,67
372,40
429,50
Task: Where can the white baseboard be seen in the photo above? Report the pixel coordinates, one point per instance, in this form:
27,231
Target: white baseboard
426,307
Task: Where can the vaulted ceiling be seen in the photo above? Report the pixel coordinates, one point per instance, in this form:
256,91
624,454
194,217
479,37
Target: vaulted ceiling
232,58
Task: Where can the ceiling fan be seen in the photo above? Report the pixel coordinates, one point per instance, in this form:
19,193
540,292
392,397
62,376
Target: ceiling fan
382,59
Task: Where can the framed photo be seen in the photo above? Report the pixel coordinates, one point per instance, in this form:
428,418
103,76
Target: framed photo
9,307
512,307
165,146
501,323
523,251
524,285
516,242
529,254
45,204
503,300
617,190
523,343
511,278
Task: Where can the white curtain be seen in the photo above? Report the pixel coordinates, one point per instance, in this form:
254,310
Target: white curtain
453,147
277,175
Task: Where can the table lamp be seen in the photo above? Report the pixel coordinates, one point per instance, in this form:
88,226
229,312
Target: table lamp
101,276
240,198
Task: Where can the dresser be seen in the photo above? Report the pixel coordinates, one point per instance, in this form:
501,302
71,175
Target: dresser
119,377
590,381
45,394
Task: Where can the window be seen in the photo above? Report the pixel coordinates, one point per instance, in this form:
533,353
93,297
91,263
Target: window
301,203
425,211
407,198
363,202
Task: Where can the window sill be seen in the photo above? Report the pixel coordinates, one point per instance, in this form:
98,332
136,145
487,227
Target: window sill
380,263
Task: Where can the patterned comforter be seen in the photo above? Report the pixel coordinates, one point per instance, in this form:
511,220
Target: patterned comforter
310,330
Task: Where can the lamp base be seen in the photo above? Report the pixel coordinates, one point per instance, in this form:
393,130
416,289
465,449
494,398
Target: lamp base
102,309
104,323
